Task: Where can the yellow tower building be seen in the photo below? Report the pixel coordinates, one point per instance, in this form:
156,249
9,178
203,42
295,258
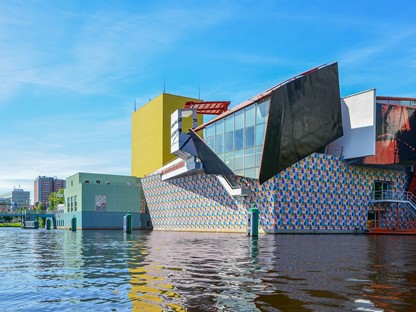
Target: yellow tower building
151,133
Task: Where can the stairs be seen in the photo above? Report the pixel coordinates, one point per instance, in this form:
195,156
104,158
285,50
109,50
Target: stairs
404,197
236,191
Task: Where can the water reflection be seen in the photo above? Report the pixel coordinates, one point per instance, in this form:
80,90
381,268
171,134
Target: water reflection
178,271
392,273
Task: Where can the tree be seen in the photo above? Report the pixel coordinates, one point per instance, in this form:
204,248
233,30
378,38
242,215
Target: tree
40,207
56,198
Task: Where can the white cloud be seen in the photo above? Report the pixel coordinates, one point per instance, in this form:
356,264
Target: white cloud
373,48
99,146
105,48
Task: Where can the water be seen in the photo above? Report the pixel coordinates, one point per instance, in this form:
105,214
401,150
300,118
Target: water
178,271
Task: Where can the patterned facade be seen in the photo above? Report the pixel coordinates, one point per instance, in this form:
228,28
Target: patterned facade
319,193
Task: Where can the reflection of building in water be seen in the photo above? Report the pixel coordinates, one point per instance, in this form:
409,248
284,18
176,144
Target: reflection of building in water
57,258
387,257
73,248
305,157
211,272
309,273
150,291
288,273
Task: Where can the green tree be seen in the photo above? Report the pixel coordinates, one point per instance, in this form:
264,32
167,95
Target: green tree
40,207
56,198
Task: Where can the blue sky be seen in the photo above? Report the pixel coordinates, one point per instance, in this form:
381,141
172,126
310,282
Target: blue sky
70,71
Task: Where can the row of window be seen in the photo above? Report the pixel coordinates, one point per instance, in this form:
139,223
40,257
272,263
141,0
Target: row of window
238,139
253,115
71,203
243,159
97,182
397,102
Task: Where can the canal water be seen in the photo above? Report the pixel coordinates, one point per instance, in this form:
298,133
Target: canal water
178,271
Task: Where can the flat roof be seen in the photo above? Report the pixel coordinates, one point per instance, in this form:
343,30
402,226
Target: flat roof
394,98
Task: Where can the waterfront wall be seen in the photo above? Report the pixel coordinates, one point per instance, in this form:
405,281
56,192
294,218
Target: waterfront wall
89,220
318,194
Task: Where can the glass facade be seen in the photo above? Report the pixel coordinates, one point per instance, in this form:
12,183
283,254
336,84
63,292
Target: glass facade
393,101
238,138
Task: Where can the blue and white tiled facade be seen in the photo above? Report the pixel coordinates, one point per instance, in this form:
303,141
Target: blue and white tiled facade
319,193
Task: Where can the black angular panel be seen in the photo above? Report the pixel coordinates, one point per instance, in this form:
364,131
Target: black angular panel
304,117
212,163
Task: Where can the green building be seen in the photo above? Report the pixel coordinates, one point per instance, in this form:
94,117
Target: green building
100,201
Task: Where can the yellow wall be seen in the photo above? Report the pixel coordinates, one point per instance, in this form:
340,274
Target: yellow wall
151,133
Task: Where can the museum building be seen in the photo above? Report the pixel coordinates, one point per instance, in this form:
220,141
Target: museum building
311,161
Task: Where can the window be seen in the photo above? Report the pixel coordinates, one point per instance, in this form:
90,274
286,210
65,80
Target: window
258,159
219,143
260,134
211,142
97,181
210,130
250,117
249,158
250,173
239,160
380,189
75,202
219,127
239,120
262,110
229,160
229,141
229,124
238,139
72,183
86,181
108,182
249,136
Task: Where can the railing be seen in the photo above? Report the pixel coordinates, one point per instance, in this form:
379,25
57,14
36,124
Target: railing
392,225
394,196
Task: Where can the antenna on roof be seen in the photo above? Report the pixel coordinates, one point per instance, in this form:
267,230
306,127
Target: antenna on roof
164,84
134,104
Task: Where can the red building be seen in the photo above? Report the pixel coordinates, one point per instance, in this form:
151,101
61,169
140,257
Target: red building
44,186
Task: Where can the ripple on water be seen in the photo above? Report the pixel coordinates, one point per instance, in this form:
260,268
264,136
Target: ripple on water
174,271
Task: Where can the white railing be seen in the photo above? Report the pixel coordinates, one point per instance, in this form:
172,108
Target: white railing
394,195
